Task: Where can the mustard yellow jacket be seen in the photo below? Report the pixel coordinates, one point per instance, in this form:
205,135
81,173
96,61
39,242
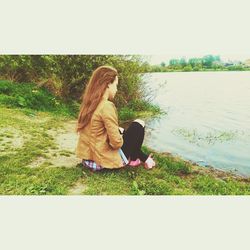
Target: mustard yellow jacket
100,140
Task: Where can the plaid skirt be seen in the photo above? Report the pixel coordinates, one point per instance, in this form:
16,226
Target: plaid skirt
95,167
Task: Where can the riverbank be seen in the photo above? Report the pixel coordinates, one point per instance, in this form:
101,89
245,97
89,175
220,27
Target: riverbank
37,154
37,158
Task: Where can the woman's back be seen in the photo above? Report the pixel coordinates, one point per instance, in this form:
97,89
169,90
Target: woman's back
100,140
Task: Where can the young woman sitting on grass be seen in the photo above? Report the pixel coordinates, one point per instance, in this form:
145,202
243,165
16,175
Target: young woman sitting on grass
102,143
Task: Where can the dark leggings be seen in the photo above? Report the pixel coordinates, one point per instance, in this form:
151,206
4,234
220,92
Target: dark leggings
132,141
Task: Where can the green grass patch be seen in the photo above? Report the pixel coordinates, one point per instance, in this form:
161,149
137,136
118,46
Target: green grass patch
31,98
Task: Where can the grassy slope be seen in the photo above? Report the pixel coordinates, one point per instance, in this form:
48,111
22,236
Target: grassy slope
171,176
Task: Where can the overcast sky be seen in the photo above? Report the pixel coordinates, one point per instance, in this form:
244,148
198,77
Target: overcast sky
159,27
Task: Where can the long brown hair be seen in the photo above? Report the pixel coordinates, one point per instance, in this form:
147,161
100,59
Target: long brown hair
94,92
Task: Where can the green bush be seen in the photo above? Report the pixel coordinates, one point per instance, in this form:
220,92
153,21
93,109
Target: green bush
188,68
67,75
236,68
126,114
143,105
30,96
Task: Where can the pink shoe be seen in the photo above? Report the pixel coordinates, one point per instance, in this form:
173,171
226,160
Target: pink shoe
149,163
135,163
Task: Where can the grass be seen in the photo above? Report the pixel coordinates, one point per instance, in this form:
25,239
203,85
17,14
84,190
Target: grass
15,176
172,176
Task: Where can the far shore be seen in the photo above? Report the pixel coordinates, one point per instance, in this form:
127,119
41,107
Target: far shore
192,71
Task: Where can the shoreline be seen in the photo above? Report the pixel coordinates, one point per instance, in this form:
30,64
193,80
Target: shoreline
216,172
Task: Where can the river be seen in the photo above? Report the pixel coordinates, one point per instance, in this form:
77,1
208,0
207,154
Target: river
207,120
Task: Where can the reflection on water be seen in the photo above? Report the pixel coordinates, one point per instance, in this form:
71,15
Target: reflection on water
207,120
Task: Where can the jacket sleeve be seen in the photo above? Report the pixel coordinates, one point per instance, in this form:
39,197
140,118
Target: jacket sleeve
110,120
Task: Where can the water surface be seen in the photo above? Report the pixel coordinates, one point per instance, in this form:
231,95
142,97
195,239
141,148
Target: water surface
207,120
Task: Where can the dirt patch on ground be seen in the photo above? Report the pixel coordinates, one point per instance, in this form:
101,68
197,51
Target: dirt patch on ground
64,161
38,162
11,139
63,155
78,188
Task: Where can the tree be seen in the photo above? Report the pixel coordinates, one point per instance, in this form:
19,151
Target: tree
163,65
183,62
208,60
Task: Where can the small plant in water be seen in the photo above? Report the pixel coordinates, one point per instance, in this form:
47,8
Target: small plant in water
206,138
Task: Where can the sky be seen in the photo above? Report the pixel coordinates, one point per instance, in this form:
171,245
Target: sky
159,27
